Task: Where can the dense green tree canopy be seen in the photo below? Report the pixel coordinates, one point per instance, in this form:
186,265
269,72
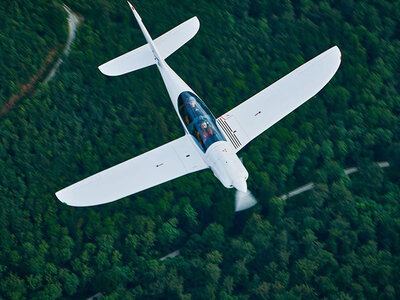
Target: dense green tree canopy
340,240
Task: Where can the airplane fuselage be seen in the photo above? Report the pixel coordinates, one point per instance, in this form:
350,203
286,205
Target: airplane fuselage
208,138
210,143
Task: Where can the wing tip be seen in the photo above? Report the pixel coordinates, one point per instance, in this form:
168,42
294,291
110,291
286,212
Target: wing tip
196,19
60,197
106,71
334,55
338,52
63,198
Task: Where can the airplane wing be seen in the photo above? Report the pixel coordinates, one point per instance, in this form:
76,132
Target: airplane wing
255,115
159,165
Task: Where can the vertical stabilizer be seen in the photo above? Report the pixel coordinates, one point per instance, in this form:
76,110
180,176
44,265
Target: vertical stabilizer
147,36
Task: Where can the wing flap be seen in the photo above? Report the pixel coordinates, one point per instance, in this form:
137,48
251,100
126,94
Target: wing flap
258,113
157,166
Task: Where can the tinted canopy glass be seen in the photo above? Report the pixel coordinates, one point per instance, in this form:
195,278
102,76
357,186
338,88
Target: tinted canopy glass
198,120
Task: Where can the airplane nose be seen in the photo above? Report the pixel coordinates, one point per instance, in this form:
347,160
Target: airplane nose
240,185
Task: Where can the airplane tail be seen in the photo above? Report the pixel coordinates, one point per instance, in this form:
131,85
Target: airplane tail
154,52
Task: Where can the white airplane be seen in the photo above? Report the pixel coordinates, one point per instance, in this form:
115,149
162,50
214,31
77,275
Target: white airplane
208,143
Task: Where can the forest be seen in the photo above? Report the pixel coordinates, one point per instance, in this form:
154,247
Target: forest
340,240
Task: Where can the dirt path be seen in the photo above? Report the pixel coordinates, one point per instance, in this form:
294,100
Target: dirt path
29,87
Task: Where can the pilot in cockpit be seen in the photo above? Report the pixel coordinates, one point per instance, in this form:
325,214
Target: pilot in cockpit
207,134
192,110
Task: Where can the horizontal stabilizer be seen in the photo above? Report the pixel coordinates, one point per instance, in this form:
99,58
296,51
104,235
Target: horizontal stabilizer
142,57
172,40
134,60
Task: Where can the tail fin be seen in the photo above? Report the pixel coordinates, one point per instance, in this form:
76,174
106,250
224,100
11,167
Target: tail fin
154,52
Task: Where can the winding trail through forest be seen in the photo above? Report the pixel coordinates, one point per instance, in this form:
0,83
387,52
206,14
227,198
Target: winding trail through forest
73,22
299,190
30,87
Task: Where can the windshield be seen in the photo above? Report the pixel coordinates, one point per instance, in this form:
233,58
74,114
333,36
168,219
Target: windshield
198,120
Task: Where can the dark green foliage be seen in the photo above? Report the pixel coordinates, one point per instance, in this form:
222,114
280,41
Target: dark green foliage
339,241
29,30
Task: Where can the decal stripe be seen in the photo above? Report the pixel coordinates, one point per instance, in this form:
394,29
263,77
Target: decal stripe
233,134
229,133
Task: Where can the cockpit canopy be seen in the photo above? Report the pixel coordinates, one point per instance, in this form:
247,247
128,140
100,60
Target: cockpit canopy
199,120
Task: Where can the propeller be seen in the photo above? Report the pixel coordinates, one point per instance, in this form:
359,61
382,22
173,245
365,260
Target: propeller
244,200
